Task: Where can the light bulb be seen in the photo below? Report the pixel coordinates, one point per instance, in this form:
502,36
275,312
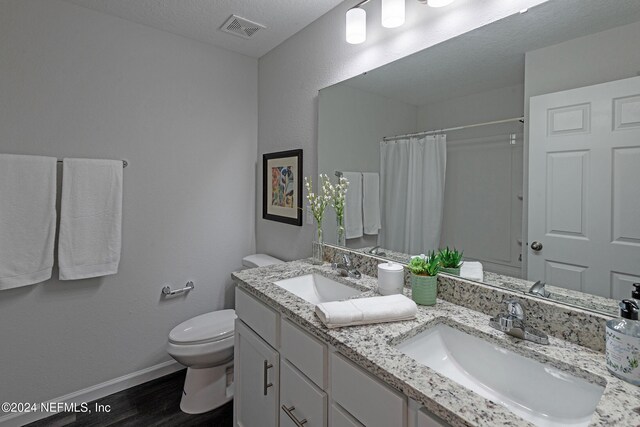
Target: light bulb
439,3
392,13
356,25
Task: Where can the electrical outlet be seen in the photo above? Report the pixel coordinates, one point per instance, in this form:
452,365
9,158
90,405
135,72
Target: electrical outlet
309,215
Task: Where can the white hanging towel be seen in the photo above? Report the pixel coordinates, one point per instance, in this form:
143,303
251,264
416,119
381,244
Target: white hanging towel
90,218
27,219
353,206
362,311
371,202
472,270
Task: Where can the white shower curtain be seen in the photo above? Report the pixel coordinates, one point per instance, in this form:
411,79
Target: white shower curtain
412,173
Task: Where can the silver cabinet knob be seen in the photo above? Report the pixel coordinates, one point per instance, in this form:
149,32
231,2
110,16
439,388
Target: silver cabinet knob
536,246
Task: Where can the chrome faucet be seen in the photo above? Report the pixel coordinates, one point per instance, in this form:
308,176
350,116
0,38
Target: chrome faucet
513,323
345,268
376,251
538,289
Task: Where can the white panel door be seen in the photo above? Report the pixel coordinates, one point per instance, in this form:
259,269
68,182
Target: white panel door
584,188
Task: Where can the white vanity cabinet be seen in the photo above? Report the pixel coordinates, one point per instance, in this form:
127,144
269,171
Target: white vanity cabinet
256,373
275,357
419,416
301,401
286,377
367,399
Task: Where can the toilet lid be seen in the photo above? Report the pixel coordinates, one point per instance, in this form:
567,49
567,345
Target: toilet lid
207,327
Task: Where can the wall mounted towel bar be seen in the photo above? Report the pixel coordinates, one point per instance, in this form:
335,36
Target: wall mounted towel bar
167,289
124,163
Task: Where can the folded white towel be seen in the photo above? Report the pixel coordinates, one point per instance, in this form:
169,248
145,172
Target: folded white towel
371,202
27,219
90,218
472,270
353,206
362,311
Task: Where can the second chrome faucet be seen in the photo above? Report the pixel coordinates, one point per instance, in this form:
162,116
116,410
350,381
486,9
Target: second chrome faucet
345,268
513,323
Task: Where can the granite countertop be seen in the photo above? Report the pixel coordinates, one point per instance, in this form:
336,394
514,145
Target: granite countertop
579,299
371,347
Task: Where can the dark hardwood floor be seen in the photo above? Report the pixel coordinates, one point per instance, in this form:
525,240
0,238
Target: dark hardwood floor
155,403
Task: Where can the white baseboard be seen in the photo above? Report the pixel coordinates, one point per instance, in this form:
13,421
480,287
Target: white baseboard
97,391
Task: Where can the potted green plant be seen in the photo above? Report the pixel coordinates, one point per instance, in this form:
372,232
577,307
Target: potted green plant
424,278
450,260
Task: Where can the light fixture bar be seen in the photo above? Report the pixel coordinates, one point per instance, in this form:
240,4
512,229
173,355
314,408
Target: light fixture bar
439,3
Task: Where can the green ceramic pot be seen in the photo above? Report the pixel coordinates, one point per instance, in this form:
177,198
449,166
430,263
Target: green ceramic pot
449,270
424,289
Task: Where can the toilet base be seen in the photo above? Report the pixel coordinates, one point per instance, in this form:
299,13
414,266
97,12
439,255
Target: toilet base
207,389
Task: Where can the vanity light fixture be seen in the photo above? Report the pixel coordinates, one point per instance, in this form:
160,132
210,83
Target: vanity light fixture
356,29
392,13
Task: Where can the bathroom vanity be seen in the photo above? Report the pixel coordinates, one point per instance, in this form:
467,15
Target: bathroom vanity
290,368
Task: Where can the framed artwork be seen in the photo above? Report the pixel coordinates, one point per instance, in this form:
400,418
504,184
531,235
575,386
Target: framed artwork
282,186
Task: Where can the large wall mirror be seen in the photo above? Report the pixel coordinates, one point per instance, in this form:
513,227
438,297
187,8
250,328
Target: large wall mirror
500,144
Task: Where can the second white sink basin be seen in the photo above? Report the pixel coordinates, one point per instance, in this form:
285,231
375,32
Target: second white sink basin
315,288
541,394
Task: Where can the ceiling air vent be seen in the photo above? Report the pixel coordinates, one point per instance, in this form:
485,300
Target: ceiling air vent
241,27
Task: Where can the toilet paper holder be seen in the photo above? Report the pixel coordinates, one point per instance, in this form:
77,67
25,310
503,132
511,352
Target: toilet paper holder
168,292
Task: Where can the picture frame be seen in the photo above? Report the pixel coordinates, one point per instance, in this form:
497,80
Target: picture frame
282,186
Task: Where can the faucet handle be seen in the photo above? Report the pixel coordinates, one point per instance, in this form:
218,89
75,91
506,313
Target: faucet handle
514,309
346,259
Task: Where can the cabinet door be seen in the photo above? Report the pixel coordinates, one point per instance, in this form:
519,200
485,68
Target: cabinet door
256,380
301,401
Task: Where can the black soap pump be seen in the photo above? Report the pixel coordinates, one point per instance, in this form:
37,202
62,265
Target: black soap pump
635,293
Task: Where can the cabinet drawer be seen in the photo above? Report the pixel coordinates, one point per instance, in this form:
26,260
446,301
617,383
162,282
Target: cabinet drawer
427,419
366,398
304,351
300,399
341,418
259,317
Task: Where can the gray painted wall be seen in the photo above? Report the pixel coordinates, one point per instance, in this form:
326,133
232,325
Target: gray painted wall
83,84
484,176
351,123
318,56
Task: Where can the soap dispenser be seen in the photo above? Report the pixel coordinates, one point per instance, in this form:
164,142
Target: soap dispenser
635,293
623,343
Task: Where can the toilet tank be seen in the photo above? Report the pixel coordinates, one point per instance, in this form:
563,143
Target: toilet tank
259,260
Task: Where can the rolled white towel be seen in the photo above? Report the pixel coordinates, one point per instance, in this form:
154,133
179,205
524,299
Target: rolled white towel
472,270
363,311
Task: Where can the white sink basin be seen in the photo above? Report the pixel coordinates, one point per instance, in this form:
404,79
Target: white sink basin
315,288
543,395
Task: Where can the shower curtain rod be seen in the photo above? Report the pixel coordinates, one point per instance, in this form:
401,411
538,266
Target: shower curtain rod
124,163
428,132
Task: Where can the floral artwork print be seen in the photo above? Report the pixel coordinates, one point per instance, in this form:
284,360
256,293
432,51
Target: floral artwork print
282,186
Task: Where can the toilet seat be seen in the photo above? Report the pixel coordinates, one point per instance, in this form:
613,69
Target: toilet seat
206,328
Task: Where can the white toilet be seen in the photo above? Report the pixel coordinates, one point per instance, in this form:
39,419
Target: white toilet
205,345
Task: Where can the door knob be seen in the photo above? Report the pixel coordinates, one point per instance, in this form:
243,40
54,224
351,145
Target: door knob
536,246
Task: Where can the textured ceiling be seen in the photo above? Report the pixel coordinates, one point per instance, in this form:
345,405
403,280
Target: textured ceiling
201,19
492,56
